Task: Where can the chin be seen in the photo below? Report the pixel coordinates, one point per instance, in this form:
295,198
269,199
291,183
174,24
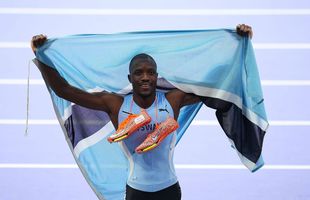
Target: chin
147,93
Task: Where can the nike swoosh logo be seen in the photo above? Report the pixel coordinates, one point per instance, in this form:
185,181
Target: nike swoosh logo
154,138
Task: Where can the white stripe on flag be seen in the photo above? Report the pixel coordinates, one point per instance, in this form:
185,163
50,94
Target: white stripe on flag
93,139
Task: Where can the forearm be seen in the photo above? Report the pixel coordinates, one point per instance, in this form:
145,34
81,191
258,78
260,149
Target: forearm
52,78
73,94
83,98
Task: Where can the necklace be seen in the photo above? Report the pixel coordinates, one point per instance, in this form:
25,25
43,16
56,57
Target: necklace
156,110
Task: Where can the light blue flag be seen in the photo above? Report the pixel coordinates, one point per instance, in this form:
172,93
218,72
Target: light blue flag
217,65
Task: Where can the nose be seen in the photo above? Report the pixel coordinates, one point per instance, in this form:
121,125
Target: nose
145,77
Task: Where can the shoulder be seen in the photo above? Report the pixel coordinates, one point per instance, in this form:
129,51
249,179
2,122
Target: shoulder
116,99
175,94
175,97
109,97
113,101
180,98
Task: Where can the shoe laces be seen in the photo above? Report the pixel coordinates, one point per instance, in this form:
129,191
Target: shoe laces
124,123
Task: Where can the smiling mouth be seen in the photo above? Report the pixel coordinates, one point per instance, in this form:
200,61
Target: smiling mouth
145,86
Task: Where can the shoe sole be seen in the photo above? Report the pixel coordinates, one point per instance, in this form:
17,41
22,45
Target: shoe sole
158,142
132,130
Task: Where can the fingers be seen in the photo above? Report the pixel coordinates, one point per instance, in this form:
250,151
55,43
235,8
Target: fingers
244,30
38,40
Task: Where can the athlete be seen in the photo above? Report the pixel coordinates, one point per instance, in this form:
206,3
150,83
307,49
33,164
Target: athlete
152,175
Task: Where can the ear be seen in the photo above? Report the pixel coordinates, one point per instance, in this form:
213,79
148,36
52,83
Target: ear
129,78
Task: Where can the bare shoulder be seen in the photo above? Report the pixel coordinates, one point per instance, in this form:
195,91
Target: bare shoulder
112,103
175,98
112,100
113,96
175,95
178,98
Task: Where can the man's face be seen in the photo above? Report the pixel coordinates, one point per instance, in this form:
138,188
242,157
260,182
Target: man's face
143,77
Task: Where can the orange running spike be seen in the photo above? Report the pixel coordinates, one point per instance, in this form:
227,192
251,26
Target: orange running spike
132,123
158,135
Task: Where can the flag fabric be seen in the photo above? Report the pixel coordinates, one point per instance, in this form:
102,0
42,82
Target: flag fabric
218,65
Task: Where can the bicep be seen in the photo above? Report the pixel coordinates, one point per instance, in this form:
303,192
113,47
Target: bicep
99,100
179,98
189,99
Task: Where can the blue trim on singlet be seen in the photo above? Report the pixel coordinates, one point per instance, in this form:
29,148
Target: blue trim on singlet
153,170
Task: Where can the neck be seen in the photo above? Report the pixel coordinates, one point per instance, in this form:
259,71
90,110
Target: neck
144,102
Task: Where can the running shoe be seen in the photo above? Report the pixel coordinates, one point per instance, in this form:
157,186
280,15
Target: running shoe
132,123
158,135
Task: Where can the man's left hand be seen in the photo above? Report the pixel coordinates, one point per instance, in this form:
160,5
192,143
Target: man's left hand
244,30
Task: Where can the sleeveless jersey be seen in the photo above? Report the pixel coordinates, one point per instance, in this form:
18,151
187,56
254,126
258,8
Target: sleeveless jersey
153,170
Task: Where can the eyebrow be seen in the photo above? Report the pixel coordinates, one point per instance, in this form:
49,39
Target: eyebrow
152,67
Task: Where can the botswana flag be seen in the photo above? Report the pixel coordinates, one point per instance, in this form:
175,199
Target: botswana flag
217,65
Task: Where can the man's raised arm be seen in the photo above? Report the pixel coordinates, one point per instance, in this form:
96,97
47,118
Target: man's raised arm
100,100
178,98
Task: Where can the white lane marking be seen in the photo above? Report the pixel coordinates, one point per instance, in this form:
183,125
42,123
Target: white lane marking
266,46
194,123
30,122
285,82
281,45
269,167
271,123
21,82
289,123
37,166
15,45
178,166
154,12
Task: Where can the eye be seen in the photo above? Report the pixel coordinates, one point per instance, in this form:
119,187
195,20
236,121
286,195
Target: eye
137,72
152,72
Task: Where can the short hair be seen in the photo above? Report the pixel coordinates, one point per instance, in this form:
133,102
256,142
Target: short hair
141,56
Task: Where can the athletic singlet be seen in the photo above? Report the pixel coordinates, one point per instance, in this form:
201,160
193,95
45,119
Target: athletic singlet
153,170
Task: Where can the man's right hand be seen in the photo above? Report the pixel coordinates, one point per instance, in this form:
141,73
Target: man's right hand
37,41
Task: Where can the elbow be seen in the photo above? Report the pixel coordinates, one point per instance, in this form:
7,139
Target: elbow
62,92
